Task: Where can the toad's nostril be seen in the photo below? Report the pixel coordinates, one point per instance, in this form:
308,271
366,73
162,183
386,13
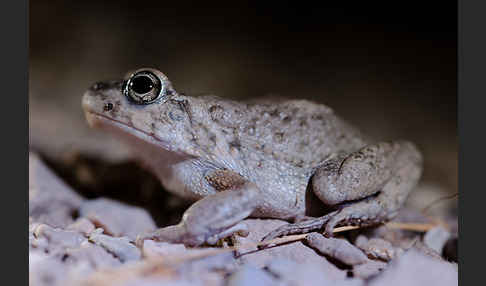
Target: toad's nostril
108,106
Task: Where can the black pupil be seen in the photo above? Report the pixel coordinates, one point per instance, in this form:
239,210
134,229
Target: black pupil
142,84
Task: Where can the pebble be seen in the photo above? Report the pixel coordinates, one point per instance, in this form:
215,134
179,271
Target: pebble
117,219
292,273
39,243
376,248
251,276
222,262
118,246
416,268
337,248
82,225
46,270
94,254
368,269
154,248
295,251
59,238
51,201
436,238
421,247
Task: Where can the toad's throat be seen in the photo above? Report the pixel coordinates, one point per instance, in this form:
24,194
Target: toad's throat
131,134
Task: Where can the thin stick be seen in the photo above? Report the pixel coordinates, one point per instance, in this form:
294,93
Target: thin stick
429,206
345,228
419,227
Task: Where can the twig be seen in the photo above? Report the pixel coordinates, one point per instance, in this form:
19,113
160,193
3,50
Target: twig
419,227
429,206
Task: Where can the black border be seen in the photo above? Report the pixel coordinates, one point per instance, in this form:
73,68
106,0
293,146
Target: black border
471,82
15,141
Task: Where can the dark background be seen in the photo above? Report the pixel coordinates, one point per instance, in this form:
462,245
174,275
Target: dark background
389,68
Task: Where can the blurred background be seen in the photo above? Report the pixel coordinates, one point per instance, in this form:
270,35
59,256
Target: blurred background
389,69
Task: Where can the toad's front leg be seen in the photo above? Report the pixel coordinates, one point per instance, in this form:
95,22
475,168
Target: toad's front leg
367,186
215,216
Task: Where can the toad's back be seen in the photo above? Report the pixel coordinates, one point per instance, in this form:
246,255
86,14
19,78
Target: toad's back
295,132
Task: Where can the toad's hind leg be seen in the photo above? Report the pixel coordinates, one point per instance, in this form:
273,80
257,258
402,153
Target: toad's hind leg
369,186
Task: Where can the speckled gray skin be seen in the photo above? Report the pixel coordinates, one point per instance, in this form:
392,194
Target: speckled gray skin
260,159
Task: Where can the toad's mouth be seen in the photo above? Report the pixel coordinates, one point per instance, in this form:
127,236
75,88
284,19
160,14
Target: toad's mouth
127,131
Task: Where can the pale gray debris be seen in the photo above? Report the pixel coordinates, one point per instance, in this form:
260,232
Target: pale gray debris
339,249
46,270
206,278
224,261
77,272
421,247
118,246
249,275
415,268
117,219
39,243
209,279
436,238
82,225
51,201
161,282
292,273
155,248
59,238
94,254
369,269
295,251
376,248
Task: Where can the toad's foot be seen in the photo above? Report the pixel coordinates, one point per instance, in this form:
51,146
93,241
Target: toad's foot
369,186
302,226
364,213
177,234
212,218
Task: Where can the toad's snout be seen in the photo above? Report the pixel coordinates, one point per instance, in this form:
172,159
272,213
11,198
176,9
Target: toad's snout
92,104
100,95
99,99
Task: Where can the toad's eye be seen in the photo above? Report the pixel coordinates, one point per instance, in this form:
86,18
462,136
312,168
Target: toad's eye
143,87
